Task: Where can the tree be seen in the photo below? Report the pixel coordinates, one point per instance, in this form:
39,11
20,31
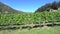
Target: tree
54,5
58,4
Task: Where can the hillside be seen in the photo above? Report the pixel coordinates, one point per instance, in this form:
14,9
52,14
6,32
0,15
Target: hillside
49,7
6,9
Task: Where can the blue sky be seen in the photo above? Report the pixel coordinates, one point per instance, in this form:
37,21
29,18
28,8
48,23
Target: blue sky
26,5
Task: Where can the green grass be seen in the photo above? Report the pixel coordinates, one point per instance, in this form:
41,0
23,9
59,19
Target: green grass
52,30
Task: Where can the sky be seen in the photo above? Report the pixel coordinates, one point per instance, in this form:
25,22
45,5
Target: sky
26,5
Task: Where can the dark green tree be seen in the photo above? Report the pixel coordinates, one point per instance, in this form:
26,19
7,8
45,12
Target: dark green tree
54,5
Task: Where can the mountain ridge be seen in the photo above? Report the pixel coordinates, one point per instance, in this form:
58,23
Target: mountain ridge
7,9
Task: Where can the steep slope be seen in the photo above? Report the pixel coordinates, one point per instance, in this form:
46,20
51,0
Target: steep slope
6,9
50,7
